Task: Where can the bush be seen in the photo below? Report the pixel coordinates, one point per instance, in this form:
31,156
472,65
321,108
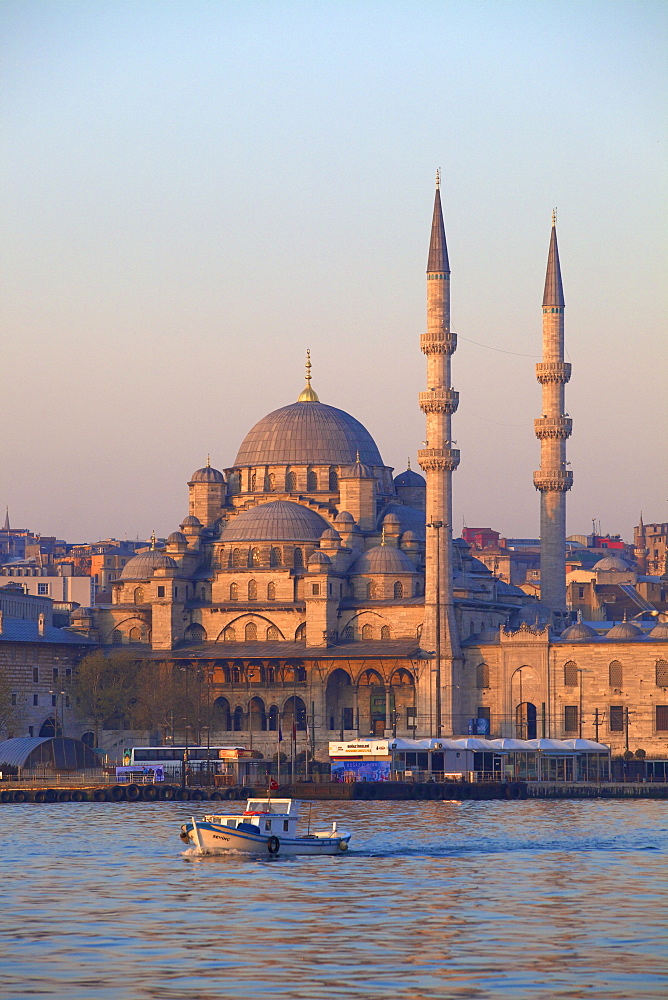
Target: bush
641,754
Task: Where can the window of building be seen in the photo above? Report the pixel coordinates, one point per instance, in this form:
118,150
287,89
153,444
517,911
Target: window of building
398,589
43,589
53,700
14,699
315,589
117,636
238,557
571,674
661,718
251,632
234,591
139,595
311,481
615,674
254,557
385,632
161,591
253,482
272,636
482,676
571,718
616,718
367,631
582,592
271,591
370,590
662,673
333,480
35,675
291,482
271,482
298,559
252,590
55,673
275,557
348,632
229,635
35,699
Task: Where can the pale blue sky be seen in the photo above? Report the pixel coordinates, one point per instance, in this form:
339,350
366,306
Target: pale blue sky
195,192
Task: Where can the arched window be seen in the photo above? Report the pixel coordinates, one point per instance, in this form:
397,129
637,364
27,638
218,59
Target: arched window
196,633
251,632
238,719
333,479
367,631
418,588
139,595
252,590
275,558
134,635
234,591
398,589
482,676
254,557
230,635
662,673
571,674
385,632
291,482
615,674
222,717
271,482
236,675
270,675
273,634
271,591
298,559
370,590
300,634
311,481
239,557
348,633
253,482
117,637
272,718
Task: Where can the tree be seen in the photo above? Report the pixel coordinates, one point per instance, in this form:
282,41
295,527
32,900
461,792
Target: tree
104,688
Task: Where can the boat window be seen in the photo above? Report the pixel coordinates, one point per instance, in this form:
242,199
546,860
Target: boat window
286,825
267,824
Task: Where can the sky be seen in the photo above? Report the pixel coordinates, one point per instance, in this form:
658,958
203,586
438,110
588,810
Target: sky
194,193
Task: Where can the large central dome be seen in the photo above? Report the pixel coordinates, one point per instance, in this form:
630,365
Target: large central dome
308,433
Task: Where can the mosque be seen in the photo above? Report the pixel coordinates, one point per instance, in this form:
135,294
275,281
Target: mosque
313,593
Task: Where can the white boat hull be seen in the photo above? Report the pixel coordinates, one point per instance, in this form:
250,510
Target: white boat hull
212,838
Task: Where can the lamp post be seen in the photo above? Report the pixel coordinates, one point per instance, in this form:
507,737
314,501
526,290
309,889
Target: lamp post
437,525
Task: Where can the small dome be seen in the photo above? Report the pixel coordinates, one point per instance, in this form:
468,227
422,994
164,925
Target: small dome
410,519
319,558
391,521
177,538
382,559
191,522
207,475
330,535
277,521
624,630
660,631
343,517
611,564
356,471
579,632
409,536
142,566
410,478
81,613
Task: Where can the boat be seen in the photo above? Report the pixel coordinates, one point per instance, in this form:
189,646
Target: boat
267,827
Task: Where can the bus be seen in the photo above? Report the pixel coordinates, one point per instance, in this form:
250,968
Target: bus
197,759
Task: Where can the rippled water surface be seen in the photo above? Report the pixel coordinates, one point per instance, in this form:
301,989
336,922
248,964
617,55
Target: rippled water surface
534,899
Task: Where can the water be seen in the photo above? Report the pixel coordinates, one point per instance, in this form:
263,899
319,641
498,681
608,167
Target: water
471,900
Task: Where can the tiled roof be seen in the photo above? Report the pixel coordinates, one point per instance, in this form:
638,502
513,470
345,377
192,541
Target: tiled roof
26,630
400,648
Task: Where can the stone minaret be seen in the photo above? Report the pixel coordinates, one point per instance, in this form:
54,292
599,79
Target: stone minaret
552,430
439,459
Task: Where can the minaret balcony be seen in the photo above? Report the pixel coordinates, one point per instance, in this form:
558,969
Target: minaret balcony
438,459
439,401
553,427
553,482
553,371
438,342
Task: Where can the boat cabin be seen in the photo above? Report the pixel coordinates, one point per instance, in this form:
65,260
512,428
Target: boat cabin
271,817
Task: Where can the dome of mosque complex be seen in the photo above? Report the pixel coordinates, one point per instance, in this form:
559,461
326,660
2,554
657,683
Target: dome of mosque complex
309,555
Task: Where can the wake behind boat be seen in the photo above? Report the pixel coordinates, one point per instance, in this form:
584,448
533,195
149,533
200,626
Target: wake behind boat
267,827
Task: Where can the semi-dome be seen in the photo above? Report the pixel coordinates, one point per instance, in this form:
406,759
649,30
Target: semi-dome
410,478
308,433
277,521
142,566
611,564
578,632
383,559
624,630
207,475
660,631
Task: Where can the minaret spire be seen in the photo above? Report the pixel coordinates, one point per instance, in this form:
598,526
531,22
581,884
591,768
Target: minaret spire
438,460
7,528
553,429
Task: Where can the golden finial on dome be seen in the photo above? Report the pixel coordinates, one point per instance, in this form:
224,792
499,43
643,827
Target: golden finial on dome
153,541
357,457
409,465
382,535
308,395
208,461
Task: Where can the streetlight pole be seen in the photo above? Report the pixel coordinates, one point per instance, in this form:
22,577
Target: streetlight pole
437,525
